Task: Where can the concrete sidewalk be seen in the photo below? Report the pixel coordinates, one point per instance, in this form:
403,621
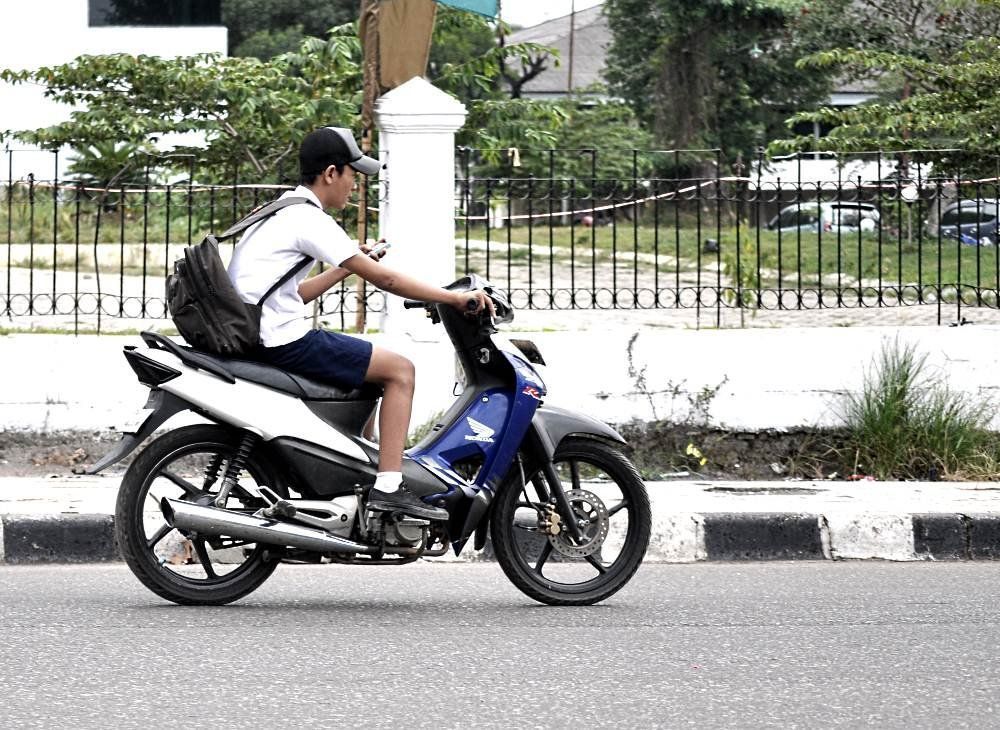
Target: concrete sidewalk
70,519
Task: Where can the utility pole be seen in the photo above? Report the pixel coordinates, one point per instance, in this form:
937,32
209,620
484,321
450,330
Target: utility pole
370,62
500,38
572,29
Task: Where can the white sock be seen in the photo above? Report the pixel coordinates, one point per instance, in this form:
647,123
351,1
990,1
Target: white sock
388,481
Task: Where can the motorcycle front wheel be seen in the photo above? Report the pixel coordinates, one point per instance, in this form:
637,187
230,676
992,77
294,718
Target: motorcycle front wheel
610,506
190,464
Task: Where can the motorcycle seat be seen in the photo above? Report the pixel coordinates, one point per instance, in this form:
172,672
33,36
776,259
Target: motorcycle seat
262,374
297,385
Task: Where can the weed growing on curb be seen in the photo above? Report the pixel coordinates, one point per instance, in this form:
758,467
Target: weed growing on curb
699,403
639,375
907,423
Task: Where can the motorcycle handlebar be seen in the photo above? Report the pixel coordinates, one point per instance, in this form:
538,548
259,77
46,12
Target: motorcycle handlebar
414,304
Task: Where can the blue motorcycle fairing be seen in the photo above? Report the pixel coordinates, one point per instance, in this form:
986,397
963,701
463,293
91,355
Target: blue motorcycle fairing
491,428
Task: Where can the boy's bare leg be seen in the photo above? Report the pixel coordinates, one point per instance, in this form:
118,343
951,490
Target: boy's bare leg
397,377
389,494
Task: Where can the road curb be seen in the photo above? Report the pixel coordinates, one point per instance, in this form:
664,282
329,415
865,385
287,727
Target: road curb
764,536
676,538
64,538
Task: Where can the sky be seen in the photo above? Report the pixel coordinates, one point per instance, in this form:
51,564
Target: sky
532,12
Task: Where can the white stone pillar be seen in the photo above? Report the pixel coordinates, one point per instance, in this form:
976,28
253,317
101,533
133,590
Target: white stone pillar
416,125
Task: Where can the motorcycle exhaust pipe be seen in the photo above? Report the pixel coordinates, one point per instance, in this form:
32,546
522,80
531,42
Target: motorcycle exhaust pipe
210,521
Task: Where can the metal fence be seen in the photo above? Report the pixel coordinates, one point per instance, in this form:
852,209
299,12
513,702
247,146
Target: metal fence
668,231
92,256
681,233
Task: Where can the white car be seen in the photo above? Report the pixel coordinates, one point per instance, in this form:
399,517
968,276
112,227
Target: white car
826,217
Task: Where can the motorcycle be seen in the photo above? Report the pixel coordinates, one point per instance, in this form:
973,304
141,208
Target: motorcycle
206,512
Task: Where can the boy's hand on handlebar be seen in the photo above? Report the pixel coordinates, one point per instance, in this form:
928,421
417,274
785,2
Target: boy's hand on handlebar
473,303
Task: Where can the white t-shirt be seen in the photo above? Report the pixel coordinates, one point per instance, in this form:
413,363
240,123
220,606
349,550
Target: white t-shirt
270,249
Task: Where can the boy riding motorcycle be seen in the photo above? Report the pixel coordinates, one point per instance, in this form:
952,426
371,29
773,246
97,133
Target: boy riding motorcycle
329,157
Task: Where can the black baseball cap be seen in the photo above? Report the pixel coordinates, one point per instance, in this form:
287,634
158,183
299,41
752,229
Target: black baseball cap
333,146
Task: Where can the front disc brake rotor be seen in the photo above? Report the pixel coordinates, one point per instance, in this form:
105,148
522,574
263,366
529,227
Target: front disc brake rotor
592,518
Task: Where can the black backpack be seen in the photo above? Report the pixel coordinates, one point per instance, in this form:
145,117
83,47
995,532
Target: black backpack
202,301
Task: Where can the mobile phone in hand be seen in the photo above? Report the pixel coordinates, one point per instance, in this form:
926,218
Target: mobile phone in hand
379,248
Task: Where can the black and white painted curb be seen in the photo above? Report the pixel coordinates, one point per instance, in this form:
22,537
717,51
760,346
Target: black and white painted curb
676,538
790,536
62,538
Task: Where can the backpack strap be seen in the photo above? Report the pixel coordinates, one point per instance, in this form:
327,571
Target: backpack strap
277,285
260,214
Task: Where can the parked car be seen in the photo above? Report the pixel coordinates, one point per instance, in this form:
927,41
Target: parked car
974,222
826,217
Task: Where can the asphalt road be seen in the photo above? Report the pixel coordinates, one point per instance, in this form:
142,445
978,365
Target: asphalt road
718,645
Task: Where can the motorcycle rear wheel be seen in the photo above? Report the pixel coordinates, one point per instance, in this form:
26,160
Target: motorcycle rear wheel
189,464
610,503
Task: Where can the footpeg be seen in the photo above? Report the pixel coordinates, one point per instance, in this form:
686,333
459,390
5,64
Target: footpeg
282,509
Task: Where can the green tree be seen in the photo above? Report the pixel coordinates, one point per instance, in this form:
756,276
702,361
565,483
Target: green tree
473,74
714,74
265,28
934,64
98,164
250,113
156,12
587,146
458,37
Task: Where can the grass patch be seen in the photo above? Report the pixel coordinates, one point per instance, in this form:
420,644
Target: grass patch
907,423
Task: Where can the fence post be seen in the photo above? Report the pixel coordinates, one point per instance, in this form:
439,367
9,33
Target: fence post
417,125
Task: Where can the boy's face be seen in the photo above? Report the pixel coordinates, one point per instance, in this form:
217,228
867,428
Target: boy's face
343,184
336,187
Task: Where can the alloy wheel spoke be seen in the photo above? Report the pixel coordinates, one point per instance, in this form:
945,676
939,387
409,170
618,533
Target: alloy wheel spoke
546,552
157,536
206,563
592,559
189,489
574,470
617,508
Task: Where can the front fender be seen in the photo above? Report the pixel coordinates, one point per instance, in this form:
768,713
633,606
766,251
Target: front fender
551,425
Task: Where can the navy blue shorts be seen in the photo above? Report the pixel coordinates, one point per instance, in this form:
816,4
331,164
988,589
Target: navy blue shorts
326,356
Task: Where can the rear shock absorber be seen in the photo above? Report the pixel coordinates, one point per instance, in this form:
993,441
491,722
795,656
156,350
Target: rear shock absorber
235,466
212,471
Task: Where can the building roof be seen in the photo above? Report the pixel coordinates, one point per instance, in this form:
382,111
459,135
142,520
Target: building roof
591,37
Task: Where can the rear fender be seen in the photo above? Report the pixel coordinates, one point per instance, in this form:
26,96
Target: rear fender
164,405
